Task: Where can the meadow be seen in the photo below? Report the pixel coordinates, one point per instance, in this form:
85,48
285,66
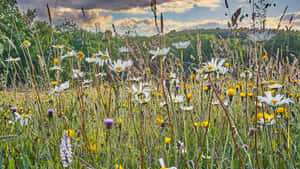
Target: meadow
202,101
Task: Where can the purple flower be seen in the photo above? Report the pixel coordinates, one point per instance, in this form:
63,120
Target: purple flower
108,123
245,146
177,86
13,109
50,113
208,85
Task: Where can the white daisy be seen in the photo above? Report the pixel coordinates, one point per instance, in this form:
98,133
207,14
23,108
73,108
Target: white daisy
77,73
10,59
261,36
120,66
274,101
215,65
181,45
159,52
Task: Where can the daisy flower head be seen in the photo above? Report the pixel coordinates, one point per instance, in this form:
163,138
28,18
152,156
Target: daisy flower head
181,45
277,100
261,36
120,66
10,59
159,52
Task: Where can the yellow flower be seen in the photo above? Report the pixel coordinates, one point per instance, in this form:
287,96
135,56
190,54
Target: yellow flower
250,85
47,100
242,94
94,148
209,67
230,92
147,69
117,166
159,121
55,60
193,76
54,83
205,88
205,124
237,87
227,64
119,121
281,110
26,43
250,94
69,132
94,56
265,57
167,140
196,124
80,54
189,96
297,96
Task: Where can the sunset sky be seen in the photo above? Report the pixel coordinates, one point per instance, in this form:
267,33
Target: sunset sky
136,14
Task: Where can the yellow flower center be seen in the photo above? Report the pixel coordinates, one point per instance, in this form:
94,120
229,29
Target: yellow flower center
119,68
209,67
104,57
274,101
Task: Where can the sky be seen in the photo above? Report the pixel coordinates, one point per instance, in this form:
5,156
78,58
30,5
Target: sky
136,15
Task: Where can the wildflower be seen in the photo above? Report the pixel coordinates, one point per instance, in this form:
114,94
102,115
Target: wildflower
58,46
101,74
77,73
55,60
246,74
50,113
261,36
264,119
242,94
123,49
193,76
167,140
181,45
280,110
104,57
215,65
162,164
147,69
10,59
265,57
69,132
13,109
274,101
119,121
205,88
196,124
94,148
117,166
205,124
24,119
91,60
120,66
230,92
275,86
159,52
186,108
159,121
69,54
227,64
57,68
80,54
108,123
189,96
26,44
54,83
250,94
177,98
65,151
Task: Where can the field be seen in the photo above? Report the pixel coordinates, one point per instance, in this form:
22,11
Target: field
149,102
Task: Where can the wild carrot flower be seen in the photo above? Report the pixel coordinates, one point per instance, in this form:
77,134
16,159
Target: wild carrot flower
65,151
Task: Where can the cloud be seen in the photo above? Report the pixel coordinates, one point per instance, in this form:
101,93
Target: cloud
146,26
117,4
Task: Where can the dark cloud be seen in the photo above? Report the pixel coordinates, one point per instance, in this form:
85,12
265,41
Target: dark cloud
89,4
